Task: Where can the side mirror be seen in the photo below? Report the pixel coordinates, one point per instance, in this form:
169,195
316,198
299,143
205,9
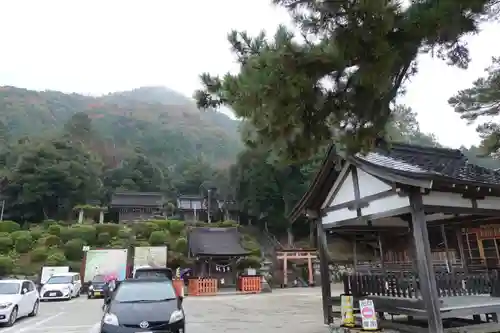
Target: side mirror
24,291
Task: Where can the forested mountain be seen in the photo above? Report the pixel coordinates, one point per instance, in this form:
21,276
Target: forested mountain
164,124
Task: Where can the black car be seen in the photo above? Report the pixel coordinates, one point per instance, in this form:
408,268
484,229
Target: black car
144,305
150,272
96,286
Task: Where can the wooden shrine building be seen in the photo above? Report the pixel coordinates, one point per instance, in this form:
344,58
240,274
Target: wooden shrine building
137,206
426,212
216,251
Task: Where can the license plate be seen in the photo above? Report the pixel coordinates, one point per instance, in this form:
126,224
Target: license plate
97,293
52,294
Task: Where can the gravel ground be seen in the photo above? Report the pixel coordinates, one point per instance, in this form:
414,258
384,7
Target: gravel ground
288,311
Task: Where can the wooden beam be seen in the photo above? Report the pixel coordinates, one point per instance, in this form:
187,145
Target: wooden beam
446,249
326,291
461,251
426,273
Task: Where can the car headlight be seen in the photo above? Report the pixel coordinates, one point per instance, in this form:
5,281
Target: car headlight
110,319
176,316
5,305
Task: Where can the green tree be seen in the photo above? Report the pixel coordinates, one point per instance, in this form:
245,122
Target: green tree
49,178
482,102
340,79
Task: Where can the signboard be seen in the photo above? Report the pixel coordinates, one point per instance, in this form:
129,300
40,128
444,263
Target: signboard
346,311
48,271
106,262
150,256
368,315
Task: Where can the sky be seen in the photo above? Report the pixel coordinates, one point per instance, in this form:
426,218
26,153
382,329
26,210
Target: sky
96,47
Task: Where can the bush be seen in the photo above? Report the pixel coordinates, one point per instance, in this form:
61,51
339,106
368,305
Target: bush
157,238
23,242
181,245
103,239
6,265
86,233
227,224
110,228
125,233
249,262
56,258
5,244
176,227
162,224
9,226
144,229
73,249
54,229
51,240
39,254
36,233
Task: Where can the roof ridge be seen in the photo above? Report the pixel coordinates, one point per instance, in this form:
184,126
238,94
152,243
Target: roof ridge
439,151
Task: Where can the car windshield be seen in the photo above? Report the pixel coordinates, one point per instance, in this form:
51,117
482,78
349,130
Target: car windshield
9,288
145,292
99,279
59,280
151,273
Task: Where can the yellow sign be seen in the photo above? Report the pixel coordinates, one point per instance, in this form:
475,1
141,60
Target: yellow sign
346,311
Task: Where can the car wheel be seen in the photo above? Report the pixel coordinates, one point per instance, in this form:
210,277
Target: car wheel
12,317
35,309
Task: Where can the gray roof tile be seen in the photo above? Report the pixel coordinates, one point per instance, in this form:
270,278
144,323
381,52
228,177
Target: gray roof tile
215,242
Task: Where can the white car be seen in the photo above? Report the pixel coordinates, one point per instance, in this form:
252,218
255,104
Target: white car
61,286
18,298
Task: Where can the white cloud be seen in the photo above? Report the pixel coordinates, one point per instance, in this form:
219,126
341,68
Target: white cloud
102,46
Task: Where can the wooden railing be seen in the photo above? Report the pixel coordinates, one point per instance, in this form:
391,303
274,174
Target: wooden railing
202,287
406,285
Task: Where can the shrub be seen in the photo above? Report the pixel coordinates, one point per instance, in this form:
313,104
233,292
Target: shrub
180,245
54,229
103,239
6,265
157,238
227,224
110,228
144,229
73,249
5,244
125,233
162,224
39,254
56,258
19,234
23,242
52,240
9,226
249,262
86,233
176,227
36,233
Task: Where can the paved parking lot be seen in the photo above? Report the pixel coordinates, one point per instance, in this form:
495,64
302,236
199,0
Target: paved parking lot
290,311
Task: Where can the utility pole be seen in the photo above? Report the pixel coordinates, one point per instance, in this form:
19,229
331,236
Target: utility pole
208,206
1,213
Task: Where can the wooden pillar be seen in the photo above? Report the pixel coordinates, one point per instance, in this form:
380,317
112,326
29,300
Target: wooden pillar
427,278
446,249
285,269
461,251
326,289
381,249
310,270
354,255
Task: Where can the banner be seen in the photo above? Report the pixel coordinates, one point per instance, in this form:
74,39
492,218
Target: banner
105,262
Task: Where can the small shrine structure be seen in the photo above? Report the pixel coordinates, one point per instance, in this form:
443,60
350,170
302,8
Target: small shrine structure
427,213
137,206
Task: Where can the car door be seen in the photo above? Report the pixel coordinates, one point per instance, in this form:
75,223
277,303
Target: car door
77,283
24,303
33,295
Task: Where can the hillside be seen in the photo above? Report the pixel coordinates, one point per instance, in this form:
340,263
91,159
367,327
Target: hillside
164,124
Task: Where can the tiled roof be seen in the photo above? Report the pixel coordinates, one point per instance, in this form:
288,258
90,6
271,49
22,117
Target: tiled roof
215,242
137,199
427,161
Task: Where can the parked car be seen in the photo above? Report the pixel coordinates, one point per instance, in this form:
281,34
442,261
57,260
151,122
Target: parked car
153,272
144,305
18,298
96,286
61,286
